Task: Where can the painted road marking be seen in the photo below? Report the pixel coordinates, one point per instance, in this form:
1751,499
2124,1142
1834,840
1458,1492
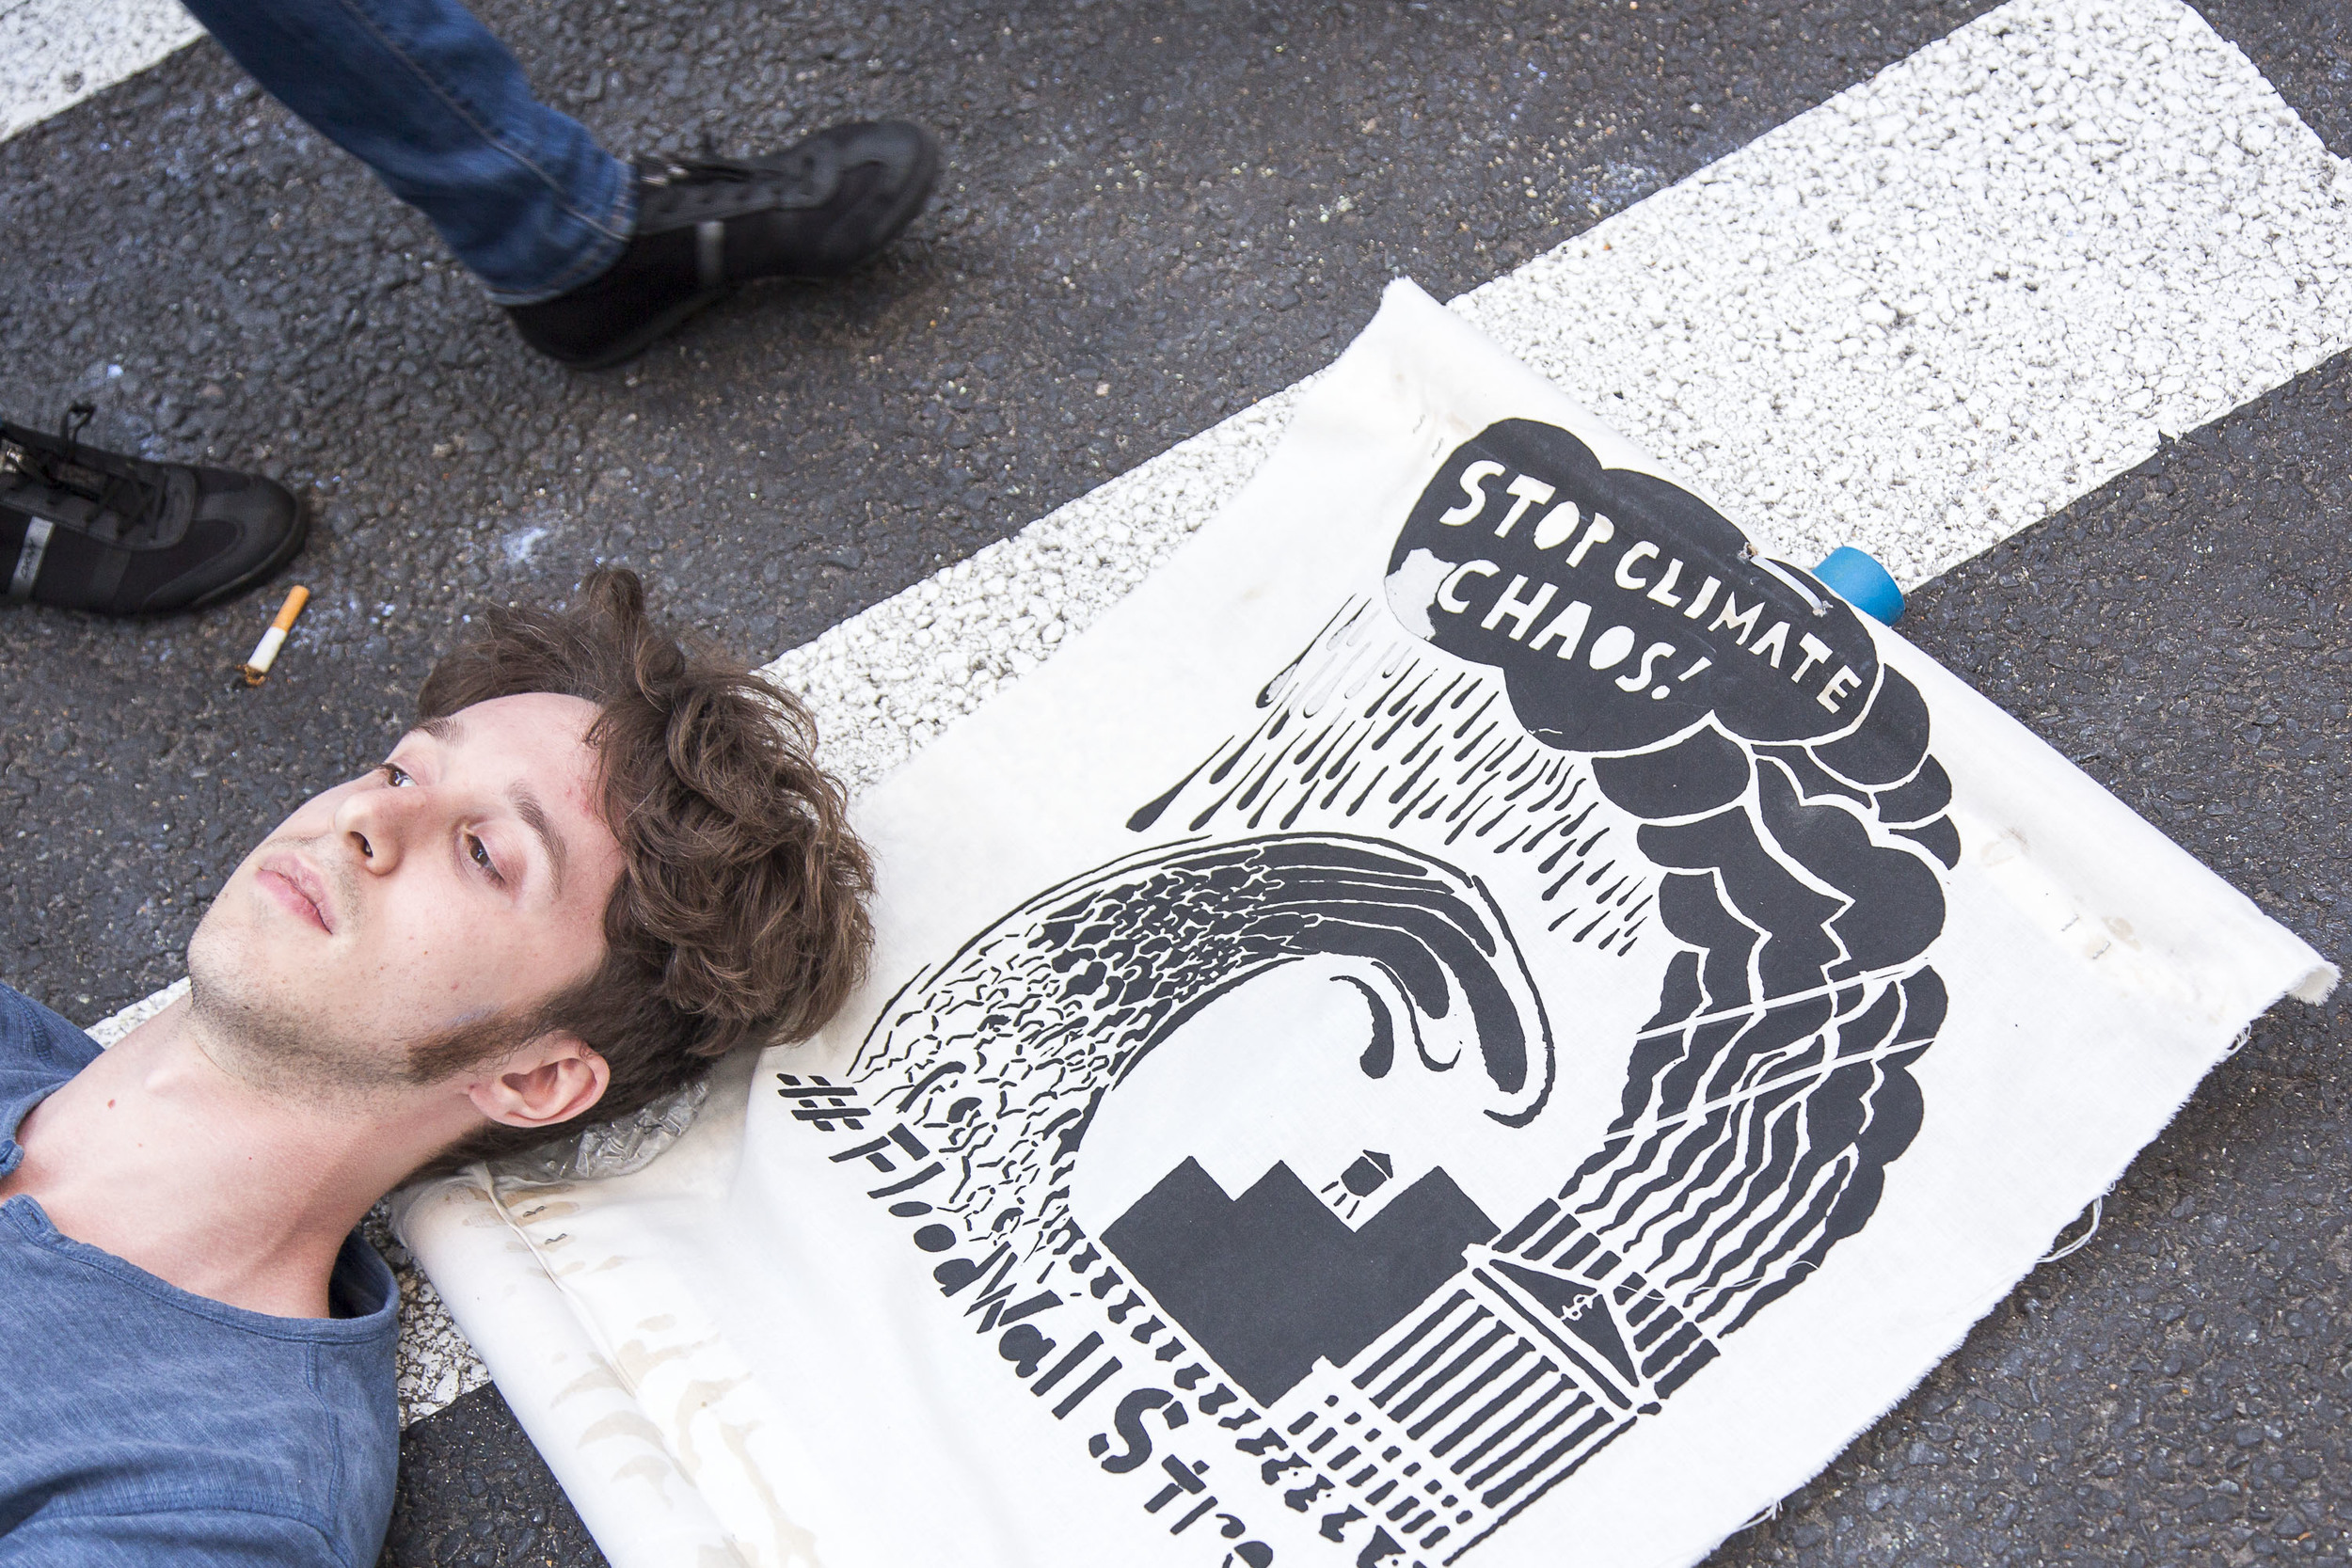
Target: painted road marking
1913,319
1945,304
55,53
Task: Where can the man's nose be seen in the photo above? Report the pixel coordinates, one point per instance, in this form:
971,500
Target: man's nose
376,824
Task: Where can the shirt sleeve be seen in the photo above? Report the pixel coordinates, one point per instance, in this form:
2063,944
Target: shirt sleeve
184,1538
39,1050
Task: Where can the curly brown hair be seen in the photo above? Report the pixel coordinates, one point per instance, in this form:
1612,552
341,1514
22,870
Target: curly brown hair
740,916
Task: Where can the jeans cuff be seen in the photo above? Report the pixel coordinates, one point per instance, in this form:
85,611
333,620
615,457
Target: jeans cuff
607,238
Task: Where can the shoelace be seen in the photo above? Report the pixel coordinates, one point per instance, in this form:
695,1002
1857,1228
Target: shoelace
66,471
71,424
711,168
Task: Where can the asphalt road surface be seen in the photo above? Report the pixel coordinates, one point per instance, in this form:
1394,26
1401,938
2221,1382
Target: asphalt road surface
1154,215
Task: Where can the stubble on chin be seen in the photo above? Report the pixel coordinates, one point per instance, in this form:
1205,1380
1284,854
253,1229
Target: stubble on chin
260,1025
263,1032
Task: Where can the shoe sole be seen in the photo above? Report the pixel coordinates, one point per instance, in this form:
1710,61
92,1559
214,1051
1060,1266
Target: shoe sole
662,325
652,330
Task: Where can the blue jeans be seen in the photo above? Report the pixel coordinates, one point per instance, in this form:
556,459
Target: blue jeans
420,92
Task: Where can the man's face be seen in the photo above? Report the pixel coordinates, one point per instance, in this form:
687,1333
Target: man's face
463,882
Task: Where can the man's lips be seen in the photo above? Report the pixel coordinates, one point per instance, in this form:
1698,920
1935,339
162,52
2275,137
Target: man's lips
300,889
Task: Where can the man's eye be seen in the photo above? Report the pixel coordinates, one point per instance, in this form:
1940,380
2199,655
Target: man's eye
479,854
395,775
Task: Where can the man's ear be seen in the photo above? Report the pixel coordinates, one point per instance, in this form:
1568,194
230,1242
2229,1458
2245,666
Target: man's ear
555,1078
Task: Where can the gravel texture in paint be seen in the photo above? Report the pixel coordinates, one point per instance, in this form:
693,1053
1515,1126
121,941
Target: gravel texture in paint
436,1365
54,52
107,1031
1953,298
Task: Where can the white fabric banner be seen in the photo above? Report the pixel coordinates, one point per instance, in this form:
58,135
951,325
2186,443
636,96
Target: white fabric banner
1471,1016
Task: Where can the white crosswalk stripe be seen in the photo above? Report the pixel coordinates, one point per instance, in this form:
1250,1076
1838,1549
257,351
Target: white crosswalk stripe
1914,319
55,53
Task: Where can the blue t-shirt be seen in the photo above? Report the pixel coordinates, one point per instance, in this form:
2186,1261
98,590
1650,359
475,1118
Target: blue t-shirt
140,1424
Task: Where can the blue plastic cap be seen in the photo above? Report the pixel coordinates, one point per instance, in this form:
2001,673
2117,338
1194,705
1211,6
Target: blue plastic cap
1862,582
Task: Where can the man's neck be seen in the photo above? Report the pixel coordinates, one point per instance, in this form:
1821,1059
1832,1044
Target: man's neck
156,1154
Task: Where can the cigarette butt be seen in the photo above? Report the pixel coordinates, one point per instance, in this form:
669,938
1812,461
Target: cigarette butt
256,670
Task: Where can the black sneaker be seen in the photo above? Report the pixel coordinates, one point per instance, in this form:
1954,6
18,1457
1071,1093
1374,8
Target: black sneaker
83,529
812,211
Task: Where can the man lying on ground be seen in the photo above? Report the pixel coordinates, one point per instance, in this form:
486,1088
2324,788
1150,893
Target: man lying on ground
597,863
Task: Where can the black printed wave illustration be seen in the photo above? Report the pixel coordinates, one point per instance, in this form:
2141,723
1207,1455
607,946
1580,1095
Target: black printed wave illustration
1791,830
1009,1048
